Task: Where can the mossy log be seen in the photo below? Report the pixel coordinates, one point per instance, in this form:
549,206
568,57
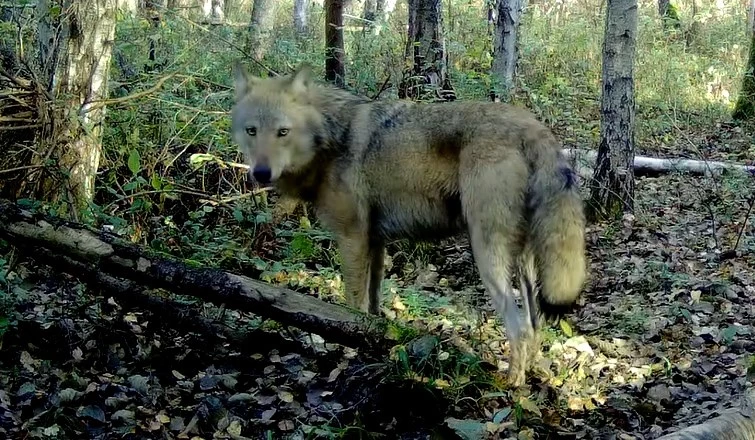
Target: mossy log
70,246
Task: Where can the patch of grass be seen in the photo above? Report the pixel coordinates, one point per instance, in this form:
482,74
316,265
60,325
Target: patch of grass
633,320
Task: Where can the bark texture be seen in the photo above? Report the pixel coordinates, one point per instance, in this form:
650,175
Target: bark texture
745,106
506,43
585,161
75,51
335,65
374,14
301,16
426,48
103,256
612,185
182,8
260,27
213,11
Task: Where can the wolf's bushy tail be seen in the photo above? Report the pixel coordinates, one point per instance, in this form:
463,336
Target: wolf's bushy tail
556,232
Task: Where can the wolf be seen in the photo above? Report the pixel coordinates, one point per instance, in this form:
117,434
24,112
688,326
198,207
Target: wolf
377,171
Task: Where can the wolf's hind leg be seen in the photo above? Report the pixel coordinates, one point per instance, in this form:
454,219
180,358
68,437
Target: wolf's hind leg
493,201
528,289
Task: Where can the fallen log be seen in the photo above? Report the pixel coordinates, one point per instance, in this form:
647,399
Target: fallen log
181,315
736,424
652,166
584,162
60,243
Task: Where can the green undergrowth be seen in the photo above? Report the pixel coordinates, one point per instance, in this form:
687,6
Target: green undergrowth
167,178
152,190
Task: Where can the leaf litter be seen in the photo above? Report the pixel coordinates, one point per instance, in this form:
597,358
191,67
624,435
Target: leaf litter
661,340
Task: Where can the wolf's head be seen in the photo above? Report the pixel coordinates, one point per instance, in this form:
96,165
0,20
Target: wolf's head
274,122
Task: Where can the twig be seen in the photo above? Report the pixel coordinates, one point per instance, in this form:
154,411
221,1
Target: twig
25,167
731,253
383,88
20,127
744,223
160,191
101,103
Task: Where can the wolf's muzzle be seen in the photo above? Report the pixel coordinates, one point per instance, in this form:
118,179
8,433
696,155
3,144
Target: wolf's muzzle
262,174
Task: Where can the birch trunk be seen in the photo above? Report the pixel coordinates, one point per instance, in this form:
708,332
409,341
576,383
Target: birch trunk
374,14
301,11
260,27
612,185
75,42
213,11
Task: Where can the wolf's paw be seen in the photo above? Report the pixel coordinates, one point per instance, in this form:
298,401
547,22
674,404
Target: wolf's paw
516,376
518,362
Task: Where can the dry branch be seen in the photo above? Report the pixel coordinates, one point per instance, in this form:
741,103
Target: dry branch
738,424
183,316
644,165
65,244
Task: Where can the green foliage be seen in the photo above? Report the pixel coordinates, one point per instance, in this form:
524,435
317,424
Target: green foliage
7,297
745,107
149,140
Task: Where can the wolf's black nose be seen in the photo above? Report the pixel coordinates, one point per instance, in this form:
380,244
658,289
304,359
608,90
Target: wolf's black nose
262,174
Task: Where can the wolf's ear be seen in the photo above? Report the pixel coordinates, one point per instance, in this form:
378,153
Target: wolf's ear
301,79
242,81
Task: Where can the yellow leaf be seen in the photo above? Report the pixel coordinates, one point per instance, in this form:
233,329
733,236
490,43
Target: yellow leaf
530,406
566,328
286,396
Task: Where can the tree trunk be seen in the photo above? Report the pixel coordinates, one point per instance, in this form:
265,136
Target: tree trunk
8,56
669,14
213,12
612,185
385,8
182,8
261,26
374,15
745,107
335,66
129,6
751,15
75,50
301,15
369,14
506,44
153,12
426,48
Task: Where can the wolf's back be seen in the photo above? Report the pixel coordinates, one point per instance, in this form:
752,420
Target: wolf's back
556,230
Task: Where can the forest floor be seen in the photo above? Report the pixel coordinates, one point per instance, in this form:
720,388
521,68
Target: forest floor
661,340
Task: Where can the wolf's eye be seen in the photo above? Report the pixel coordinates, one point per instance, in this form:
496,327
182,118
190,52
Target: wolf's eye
282,132
251,131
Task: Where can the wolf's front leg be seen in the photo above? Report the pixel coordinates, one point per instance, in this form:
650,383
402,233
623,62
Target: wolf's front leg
377,272
354,248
